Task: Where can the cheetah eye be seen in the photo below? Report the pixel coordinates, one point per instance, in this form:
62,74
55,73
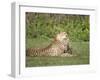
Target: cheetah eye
65,38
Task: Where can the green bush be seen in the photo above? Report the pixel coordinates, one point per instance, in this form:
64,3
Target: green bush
47,25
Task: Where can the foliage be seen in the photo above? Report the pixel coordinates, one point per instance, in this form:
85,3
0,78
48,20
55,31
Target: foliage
46,26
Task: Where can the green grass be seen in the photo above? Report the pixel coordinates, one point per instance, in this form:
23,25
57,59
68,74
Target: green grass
81,49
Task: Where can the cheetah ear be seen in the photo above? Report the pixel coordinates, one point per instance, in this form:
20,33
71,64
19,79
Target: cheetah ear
63,33
67,32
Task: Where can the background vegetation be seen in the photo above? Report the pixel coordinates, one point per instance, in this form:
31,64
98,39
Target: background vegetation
42,27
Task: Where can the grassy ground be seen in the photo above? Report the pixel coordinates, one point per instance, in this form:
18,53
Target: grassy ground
81,49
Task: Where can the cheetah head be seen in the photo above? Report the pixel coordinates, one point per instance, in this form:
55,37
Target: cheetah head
62,36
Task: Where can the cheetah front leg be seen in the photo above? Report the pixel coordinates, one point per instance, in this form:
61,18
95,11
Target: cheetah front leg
66,55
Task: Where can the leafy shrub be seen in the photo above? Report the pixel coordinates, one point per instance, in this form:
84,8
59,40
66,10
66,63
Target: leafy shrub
47,25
